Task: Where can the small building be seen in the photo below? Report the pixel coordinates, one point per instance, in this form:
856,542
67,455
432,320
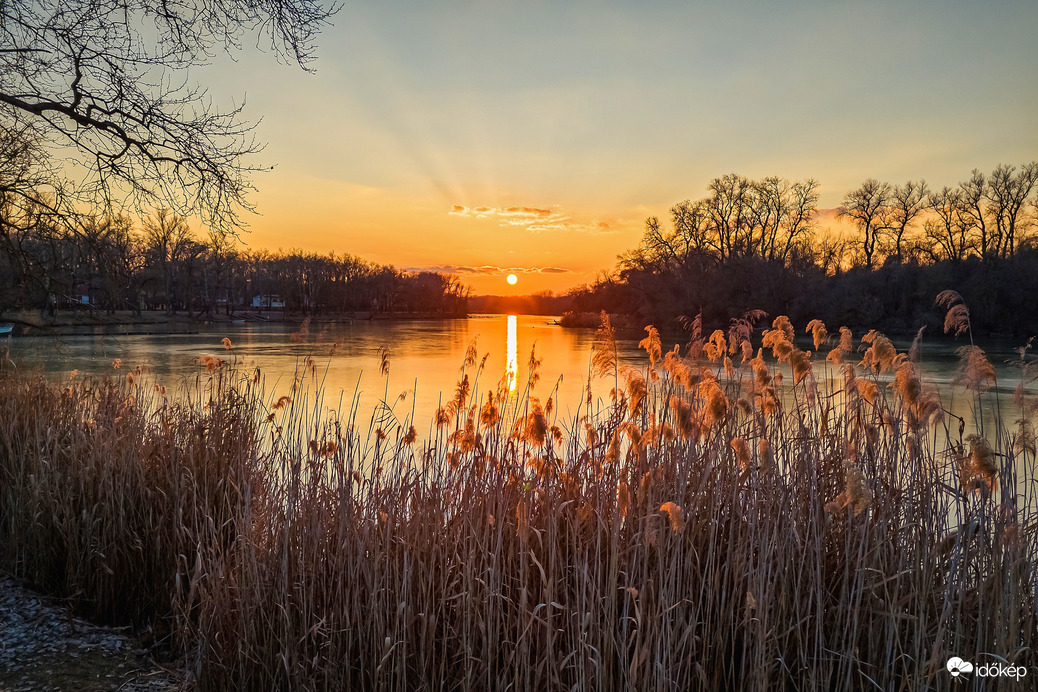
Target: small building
268,301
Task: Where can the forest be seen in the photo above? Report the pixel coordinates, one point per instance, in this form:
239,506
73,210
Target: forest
104,264
878,259
764,244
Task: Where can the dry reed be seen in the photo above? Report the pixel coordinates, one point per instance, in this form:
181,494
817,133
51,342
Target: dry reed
640,545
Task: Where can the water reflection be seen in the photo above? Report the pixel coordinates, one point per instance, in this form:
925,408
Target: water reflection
426,356
512,354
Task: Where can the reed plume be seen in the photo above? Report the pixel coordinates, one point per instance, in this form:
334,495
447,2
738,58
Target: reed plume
818,333
716,346
978,470
975,373
603,359
681,370
684,542
880,355
652,345
957,317
676,515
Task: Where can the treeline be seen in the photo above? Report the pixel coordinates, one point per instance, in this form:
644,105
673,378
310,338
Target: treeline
540,303
763,244
109,263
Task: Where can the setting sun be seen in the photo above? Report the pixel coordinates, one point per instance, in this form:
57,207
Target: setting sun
512,279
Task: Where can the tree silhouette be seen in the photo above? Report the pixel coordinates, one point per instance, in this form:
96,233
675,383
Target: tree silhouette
947,231
907,203
169,241
971,212
106,80
1007,193
867,207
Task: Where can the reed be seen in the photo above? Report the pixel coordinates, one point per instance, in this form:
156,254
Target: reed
692,529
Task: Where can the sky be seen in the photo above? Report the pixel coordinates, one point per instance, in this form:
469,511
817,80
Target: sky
535,138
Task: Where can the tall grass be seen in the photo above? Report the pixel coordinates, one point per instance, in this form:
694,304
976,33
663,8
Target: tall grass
722,521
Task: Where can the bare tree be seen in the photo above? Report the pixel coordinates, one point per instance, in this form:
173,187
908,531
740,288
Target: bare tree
690,229
728,209
169,241
1007,193
106,79
677,249
830,254
28,201
126,261
219,248
767,219
868,207
26,173
907,203
779,215
656,248
765,208
948,229
972,213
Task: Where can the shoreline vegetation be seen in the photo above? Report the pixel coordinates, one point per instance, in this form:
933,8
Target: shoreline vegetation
873,262
765,244
32,322
105,266
688,529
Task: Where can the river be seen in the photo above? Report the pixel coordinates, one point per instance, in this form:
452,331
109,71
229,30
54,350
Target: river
425,359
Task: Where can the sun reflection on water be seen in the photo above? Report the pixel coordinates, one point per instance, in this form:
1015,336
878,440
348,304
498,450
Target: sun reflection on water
512,355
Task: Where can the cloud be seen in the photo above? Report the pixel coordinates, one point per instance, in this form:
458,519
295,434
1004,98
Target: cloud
533,219
527,212
535,270
456,269
487,269
514,216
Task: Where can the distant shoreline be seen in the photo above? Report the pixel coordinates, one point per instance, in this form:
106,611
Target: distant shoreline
126,322
32,321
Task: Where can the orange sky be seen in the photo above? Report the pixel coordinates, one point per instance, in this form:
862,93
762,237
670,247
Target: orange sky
548,248
536,137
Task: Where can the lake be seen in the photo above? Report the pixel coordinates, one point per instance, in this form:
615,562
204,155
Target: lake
425,359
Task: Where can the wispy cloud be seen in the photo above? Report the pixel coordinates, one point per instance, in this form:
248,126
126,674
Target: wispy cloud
487,269
536,270
533,219
456,269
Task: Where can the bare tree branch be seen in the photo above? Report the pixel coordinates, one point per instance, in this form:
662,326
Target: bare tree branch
112,126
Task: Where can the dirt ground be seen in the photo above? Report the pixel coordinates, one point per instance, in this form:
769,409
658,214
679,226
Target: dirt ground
44,647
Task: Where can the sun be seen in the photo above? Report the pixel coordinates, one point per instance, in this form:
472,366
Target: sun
512,279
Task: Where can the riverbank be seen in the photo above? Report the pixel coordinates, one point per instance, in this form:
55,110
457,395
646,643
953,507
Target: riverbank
157,321
43,646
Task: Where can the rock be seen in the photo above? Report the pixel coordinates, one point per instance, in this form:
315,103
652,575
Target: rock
43,647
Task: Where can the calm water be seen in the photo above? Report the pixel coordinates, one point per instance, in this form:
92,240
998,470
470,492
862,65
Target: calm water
425,359
425,356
